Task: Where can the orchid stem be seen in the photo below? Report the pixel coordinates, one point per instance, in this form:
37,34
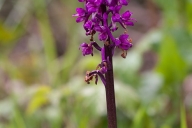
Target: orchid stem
109,88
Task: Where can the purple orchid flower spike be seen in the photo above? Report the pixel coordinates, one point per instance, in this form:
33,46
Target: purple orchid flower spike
95,19
96,15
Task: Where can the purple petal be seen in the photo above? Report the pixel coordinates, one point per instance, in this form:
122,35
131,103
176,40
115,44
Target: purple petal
88,24
103,36
80,19
129,23
123,2
123,37
117,42
117,8
103,28
126,15
75,14
81,11
116,17
111,8
98,29
111,2
98,2
125,46
86,49
84,45
81,0
92,9
95,2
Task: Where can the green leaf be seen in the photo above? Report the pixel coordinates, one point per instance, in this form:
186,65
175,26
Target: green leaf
142,120
7,35
188,10
39,99
183,116
183,41
171,64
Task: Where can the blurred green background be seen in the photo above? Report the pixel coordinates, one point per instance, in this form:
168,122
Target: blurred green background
42,71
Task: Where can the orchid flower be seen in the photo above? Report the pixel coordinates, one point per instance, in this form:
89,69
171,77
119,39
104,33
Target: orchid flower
102,17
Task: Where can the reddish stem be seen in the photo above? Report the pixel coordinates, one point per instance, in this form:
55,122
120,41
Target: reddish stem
109,88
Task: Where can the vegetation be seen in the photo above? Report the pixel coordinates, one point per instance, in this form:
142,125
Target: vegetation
42,77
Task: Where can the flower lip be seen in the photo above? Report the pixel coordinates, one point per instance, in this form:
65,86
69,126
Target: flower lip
125,42
86,49
123,37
